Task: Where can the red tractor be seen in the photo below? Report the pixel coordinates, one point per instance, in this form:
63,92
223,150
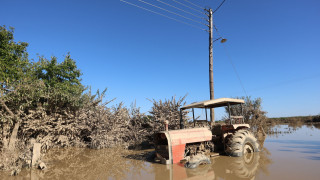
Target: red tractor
195,145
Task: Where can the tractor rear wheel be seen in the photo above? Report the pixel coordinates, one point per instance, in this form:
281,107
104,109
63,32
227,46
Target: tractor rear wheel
241,143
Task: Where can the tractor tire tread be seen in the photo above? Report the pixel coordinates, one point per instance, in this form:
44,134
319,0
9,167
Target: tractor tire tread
235,144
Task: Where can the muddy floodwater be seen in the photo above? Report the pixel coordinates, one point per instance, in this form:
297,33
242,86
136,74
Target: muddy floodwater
293,153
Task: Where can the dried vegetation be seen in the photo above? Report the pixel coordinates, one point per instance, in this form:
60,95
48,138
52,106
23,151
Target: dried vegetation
94,125
168,110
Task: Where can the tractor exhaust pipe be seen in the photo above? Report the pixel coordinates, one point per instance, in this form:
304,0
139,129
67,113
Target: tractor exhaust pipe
181,120
166,123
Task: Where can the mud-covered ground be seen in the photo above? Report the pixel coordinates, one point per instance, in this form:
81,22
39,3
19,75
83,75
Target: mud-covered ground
291,155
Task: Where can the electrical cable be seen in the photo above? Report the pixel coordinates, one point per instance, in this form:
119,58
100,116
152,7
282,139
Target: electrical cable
180,9
235,70
171,12
218,6
194,4
164,15
188,6
230,60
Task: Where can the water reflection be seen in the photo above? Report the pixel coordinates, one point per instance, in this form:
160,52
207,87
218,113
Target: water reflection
316,126
235,168
222,167
76,163
290,128
81,163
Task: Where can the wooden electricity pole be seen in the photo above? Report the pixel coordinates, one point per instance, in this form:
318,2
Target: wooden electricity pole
211,63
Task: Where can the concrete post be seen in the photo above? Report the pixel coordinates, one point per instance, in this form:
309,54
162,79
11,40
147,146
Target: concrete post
36,154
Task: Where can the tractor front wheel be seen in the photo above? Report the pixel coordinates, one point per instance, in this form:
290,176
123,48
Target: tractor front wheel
241,143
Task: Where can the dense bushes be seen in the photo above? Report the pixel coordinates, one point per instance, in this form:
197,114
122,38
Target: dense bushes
169,110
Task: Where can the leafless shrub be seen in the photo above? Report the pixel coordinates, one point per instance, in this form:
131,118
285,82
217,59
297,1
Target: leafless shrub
167,110
94,126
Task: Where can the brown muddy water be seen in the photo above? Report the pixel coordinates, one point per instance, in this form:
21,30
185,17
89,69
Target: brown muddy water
292,154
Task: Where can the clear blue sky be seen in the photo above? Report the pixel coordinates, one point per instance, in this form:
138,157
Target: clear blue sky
274,46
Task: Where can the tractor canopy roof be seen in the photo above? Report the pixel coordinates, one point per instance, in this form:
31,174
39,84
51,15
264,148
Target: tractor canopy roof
214,103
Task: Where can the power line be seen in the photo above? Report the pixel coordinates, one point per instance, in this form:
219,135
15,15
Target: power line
188,6
180,9
230,60
194,4
218,6
235,70
172,12
215,27
164,15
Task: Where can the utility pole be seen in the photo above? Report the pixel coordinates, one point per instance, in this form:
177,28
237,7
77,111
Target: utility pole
211,62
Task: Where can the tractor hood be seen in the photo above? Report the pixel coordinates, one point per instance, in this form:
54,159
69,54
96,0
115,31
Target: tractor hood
170,145
184,136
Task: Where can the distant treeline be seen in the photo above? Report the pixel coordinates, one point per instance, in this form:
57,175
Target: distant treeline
294,119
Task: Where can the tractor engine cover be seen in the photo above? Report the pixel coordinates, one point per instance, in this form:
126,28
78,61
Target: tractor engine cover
170,145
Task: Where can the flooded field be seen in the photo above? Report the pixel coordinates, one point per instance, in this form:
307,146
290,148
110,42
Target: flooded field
293,153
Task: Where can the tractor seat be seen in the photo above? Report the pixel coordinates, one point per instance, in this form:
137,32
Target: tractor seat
237,119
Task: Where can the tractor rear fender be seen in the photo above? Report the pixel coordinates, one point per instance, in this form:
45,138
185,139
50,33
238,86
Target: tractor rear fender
234,127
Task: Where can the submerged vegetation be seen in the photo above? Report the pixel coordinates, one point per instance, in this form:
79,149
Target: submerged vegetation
295,119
